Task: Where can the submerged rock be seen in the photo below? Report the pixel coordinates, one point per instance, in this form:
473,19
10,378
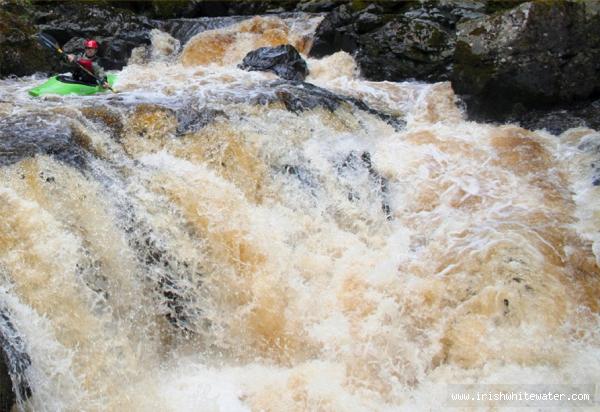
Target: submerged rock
560,119
26,136
363,161
285,61
191,120
14,361
299,96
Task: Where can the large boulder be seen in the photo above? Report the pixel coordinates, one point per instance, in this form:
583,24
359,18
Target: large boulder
26,136
406,48
284,60
14,362
396,41
535,55
335,32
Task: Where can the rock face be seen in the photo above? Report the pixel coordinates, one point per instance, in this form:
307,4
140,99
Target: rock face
406,48
22,137
285,61
504,58
298,96
334,33
14,362
535,55
118,31
396,41
19,52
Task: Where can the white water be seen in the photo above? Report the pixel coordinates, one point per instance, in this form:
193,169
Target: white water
294,289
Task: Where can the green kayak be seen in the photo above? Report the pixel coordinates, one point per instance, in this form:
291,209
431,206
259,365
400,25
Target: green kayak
64,85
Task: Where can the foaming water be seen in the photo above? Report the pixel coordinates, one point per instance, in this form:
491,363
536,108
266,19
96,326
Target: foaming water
211,239
230,45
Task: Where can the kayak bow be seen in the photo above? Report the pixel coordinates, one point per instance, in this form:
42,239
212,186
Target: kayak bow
63,85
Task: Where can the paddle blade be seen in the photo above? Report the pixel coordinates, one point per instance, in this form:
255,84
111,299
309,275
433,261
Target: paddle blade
48,41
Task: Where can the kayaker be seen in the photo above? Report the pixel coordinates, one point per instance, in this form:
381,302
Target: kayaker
88,61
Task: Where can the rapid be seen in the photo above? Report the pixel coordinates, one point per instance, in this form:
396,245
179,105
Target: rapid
220,240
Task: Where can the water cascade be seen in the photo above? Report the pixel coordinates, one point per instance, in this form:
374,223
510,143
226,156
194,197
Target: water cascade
215,239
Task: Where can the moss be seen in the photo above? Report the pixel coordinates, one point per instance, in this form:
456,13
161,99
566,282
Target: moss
437,40
168,9
358,5
472,72
478,31
19,52
492,7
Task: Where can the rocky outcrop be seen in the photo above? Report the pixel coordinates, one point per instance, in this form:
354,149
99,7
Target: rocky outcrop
536,55
504,59
334,33
14,362
19,52
22,137
160,9
396,41
299,96
118,31
284,61
560,118
406,48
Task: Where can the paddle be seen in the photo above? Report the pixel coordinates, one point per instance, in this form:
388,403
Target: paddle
48,41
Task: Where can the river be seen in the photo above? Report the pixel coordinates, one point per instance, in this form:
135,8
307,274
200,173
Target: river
215,239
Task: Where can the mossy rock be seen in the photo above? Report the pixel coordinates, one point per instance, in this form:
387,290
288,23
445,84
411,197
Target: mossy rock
20,53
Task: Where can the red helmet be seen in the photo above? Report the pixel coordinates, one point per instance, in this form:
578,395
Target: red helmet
91,44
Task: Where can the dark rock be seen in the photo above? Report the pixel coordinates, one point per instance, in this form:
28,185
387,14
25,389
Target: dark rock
469,10
190,120
185,29
367,22
285,61
19,52
26,136
354,161
299,96
118,31
334,33
556,120
536,55
395,122
396,41
317,6
105,116
13,364
406,48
